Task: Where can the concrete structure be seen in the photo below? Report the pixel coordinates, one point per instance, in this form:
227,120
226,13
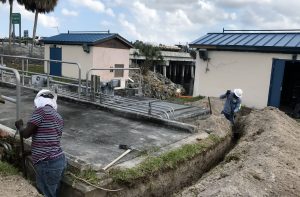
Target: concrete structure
248,61
178,66
90,50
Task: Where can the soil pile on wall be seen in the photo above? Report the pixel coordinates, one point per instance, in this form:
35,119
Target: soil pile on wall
265,162
16,186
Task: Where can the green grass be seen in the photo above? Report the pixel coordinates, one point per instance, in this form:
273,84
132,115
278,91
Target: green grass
7,169
31,68
185,100
168,160
153,165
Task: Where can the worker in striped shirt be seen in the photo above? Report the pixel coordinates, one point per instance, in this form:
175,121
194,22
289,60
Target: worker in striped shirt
45,127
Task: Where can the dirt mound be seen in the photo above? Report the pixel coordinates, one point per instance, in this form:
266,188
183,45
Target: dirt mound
265,162
16,186
216,104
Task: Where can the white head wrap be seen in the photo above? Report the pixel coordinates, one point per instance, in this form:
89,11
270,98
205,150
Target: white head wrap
40,101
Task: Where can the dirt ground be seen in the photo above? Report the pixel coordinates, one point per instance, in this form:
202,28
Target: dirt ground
16,186
265,161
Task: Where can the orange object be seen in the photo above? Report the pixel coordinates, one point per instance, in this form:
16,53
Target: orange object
185,96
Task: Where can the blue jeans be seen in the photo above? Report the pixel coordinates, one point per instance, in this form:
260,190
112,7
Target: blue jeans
49,174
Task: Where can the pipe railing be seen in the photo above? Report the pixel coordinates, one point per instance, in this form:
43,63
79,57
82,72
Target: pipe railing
17,101
47,68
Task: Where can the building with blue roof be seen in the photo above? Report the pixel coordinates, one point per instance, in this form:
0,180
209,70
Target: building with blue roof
265,64
91,50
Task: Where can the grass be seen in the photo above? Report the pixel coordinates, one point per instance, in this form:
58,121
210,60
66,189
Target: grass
31,67
7,169
153,165
168,160
185,100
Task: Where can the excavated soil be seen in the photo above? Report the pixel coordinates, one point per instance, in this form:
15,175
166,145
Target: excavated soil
16,186
264,162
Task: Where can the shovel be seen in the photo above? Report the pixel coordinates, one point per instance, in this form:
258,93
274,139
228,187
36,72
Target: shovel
127,148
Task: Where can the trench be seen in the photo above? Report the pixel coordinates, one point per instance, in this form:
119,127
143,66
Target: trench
162,183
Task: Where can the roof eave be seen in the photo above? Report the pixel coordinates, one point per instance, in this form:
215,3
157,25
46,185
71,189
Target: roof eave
123,40
249,49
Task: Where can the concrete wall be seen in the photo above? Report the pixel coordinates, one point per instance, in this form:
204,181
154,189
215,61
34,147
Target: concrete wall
107,58
99,57
74,53
249,71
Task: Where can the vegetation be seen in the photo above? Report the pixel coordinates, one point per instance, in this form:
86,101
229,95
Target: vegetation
7,169
38,6
183,100
151,53
169,160
152,165
10,16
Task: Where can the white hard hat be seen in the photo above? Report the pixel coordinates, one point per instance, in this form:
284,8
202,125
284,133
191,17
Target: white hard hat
238,92
45,91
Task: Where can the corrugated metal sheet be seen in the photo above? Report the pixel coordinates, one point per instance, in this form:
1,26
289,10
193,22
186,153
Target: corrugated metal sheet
83,38
249,40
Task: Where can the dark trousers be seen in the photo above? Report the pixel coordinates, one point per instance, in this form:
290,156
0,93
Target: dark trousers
229,117
49,174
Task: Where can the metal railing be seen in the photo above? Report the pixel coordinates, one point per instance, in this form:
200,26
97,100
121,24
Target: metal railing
17,101
149,107
23,58
103,69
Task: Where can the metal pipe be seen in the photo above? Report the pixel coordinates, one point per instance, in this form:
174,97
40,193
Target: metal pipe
1,69
23,82
48,73
12,100
88,72
49,60
18,103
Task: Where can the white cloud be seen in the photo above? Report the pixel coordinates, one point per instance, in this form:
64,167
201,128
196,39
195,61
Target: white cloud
110,12
94,5
67,12
48,21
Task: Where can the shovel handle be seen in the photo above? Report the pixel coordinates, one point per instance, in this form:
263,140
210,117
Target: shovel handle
117,159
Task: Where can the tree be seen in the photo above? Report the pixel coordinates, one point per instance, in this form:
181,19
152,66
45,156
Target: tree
38,6
151,53
10,15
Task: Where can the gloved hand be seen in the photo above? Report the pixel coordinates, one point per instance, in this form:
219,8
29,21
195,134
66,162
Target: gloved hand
19,124
228,92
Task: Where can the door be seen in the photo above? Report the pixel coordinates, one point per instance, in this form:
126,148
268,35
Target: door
276,82
55,67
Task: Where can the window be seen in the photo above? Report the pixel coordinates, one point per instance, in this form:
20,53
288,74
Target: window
119,73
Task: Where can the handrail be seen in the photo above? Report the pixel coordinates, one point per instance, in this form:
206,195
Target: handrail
18,103
99,69
48,67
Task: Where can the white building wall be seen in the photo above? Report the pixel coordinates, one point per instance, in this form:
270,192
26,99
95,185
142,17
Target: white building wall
73,53
99,57
107,58
226,70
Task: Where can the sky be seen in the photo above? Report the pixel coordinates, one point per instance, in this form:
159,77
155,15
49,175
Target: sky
167,22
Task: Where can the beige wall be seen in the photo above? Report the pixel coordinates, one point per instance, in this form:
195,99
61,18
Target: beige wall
76,54
107,58
228,70
99,57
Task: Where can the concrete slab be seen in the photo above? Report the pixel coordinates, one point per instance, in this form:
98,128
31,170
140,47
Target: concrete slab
92,136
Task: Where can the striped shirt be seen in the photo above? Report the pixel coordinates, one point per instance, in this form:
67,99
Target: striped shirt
46,140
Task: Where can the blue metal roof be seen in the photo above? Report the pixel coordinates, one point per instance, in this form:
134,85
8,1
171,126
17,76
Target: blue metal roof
283,42
83,38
